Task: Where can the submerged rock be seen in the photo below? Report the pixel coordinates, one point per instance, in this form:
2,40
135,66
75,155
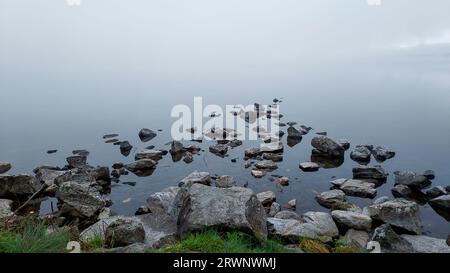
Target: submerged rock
188,157
273,157
283,181
199,207
146,135
382,153
327,146
399,213
441,202
288,214
196,177
4,167
410,179
356,238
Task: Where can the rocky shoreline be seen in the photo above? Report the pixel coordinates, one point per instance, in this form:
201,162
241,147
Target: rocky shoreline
201,201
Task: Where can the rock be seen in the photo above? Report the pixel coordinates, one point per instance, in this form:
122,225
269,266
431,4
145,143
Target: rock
273,157
283,181
81,152
125,148
357,188
345,143
370,172
110,136
52,151
389,241
352,220
146,135
5,208
288,214
13,185
360,154
441,202
380,200
252,152
292,204
154,155
4,167
176,147
272,147
401,191
294,133
382,153
410,179
142,210
266,165
188,157
436,191
425,244
309,166
235,143
123,232
429,174
266,198
76,161
141,165
196,177
117,166
356,238
316,225
399,213
219,149
160,202
225,181
52,177
332,198
321,133
258,174
199,207
327,146
274,209
80,200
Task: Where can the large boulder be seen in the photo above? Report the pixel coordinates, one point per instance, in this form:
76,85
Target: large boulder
17,185
399,213
425,244
198,207
4,167
352,220
123,232
327,146
80,199
314,225
391,242
160,202
196,177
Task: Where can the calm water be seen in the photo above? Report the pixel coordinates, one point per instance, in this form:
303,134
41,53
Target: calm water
67,77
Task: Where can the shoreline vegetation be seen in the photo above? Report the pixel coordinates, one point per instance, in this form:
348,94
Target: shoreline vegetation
206,213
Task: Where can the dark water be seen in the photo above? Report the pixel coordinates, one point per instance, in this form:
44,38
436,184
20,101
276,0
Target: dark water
62,88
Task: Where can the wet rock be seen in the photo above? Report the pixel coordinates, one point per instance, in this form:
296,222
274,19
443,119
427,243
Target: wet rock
200,207
196,177
399,213
258,174
288,214
225,181
274,209
309,166
425,244
142,210
345,143
390,241
429,174
117,166
266,198
266,165
80,200
54,168
356,238
291,142
141,165
125,148
160,202
252,152
292,204
13,185
123,232
441,202
321,133
52,151
327,146
380,200
219,149
146,135
382,153
81,152
110,136
283,181
149,154
294,133
273,157
272,147
436,191
235,143
188,157
360,154
325,161
176,147
410,179
401,191
5,208
352,220
129,183
331,199
370,172
315,225
113,140
76,161
358,188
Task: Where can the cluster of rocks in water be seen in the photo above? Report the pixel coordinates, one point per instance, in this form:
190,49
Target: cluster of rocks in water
201,201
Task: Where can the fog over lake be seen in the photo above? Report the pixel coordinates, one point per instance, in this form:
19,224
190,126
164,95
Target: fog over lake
371,74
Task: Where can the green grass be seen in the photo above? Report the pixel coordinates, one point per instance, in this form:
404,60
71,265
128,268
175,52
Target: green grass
33,238
212,241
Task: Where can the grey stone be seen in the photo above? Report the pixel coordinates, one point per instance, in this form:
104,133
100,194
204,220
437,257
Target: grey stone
123,232
345,143
369,172
266,198
391,242
225,181
273,157
360,154
352,220
436,191
160,202
274,209
141,165
429,174
258,174
327,146
410,179
219,149
154,155
382,153
4,167
272,147
188,157
176,147
425,244
356,238
146,135
309,166
16,185
80,200
196,177
252,152
76,161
